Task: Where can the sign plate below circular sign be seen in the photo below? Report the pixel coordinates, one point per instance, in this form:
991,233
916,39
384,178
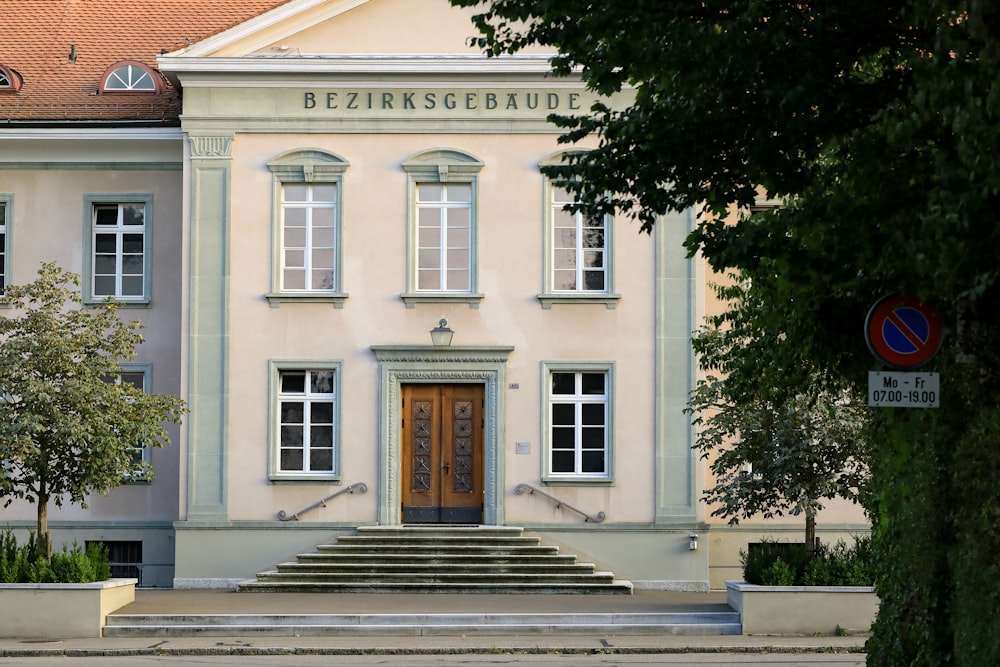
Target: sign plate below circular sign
902,332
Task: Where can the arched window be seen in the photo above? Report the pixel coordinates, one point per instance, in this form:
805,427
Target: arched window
131,77
10,81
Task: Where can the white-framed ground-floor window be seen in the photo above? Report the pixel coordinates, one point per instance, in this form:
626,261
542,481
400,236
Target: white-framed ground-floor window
305,433
579,422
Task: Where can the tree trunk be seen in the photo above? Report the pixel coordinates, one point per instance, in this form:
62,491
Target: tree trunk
812,543
42,540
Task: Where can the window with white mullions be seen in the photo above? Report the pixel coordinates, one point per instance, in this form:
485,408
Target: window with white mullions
141,452
3,246
578,247
309,237
579,423
306,402
129,77
444,237
119,251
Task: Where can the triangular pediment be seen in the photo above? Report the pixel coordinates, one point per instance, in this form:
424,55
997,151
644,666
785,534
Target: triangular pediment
317,28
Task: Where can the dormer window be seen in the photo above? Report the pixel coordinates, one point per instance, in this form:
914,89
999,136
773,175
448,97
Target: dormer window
10,81
131,77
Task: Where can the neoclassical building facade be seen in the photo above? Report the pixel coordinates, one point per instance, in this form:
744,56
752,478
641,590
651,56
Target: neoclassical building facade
330,217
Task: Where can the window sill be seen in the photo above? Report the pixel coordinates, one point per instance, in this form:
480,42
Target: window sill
290,478
92,302
609,300
278,298
411,299
579,481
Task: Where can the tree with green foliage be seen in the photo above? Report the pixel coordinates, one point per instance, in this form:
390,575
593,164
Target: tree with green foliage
67,427
877,127
771,452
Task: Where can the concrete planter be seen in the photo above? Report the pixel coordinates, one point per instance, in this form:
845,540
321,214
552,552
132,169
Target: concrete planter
61,611
802,610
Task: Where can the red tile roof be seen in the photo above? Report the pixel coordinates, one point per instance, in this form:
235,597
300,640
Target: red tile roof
38,36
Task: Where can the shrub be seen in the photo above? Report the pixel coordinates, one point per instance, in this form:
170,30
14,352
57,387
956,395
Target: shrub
783,564
24,564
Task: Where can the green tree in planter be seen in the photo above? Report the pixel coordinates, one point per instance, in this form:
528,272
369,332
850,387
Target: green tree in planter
778,442
67,428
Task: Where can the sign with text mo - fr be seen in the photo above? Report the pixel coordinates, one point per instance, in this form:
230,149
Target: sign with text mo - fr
895,389
902,332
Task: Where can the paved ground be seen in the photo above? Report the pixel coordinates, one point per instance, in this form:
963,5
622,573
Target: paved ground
228,602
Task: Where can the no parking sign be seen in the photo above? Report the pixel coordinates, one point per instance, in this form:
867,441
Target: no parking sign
902,332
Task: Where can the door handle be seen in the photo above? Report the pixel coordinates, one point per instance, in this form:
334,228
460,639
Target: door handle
447,467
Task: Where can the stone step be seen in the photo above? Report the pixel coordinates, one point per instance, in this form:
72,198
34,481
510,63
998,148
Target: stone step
456,578
436,548
440,541
614,587
431,559
443,530
422,569
496,624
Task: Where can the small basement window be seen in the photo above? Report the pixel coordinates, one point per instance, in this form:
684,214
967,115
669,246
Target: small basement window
131,76
125,557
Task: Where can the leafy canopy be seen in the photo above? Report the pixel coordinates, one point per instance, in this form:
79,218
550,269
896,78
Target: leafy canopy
67,428
876,126
771,450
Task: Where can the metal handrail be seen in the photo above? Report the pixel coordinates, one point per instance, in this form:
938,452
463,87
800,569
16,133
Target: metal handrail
598,518
360,487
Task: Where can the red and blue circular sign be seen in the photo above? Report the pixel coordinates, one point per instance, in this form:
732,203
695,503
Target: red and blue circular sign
902,332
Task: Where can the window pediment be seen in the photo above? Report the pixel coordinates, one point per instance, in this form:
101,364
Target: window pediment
307,165
443,165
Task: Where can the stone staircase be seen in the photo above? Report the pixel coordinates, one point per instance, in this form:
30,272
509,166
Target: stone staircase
706,623
437,559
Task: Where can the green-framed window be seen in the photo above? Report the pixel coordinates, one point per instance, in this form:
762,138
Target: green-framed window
579,422
306,427
118,260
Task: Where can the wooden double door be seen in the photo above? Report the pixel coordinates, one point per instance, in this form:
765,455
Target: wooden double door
442,453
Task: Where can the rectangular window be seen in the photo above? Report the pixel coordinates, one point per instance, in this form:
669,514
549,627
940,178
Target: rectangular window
444,237
118,258
441,236
125,557
307,422
3,246
579,422
578,248
308,237
138,378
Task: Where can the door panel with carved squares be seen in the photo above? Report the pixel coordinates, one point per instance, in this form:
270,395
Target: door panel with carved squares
442,453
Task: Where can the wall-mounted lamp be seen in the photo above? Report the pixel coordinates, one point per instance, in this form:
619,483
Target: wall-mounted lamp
441,334
693,541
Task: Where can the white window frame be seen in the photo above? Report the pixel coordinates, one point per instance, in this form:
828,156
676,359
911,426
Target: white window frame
276,368
145,450
10,81
549,295
91,230
577,477
441,166
131,77
309,166
6,215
